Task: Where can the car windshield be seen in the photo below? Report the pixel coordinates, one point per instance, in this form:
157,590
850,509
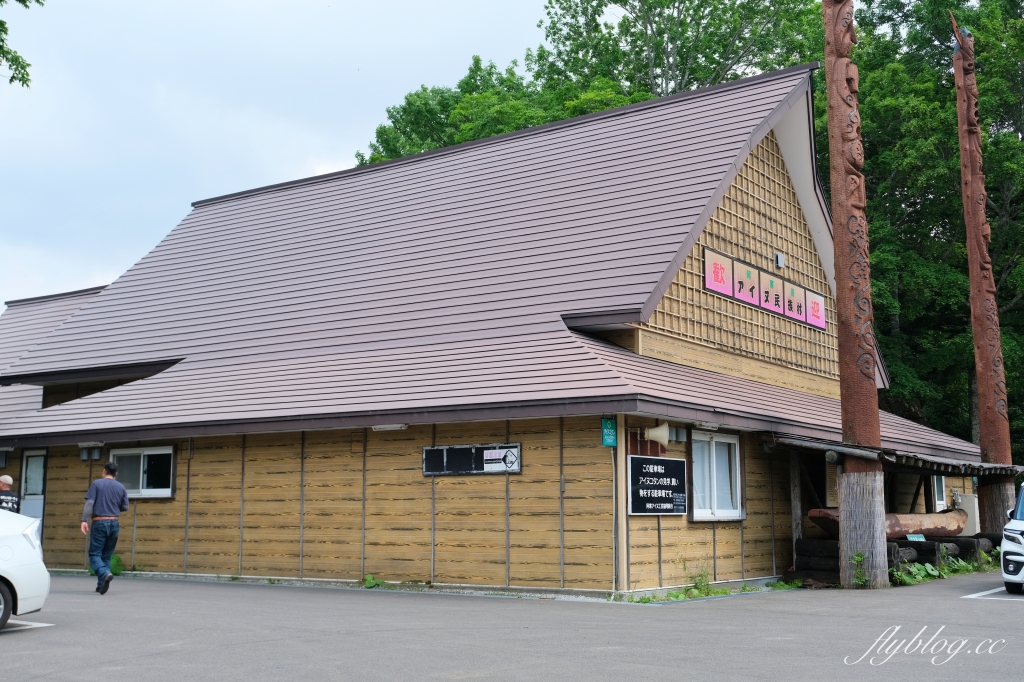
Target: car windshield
1019,514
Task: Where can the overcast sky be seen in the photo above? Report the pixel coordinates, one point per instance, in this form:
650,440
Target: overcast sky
136,109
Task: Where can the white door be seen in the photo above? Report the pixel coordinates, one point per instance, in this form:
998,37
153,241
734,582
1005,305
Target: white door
33,477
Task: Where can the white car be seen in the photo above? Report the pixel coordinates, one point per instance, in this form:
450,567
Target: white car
24,580
1012,549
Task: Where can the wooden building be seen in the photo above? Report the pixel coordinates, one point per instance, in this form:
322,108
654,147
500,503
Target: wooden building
289,381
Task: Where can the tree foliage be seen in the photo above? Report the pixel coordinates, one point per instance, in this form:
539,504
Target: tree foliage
14,62
600,54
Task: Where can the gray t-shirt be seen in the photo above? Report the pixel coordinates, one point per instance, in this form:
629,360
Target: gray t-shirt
109,497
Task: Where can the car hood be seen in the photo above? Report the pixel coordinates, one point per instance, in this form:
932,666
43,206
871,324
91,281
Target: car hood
13,524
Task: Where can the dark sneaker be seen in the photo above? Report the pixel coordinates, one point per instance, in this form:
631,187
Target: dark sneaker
102,589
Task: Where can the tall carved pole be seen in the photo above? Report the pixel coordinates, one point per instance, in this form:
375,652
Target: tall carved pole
995,494
861,498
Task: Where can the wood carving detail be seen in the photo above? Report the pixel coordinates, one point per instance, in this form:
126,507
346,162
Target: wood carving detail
858,350
988,352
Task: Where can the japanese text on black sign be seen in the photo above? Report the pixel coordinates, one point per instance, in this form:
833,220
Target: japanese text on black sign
657,485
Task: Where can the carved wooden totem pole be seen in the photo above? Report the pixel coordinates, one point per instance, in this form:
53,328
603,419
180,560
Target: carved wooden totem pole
995,494
861,500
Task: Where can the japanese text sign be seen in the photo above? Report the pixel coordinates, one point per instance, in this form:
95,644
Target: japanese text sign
795,302
657,485
772,293
816,310
718,273
748,282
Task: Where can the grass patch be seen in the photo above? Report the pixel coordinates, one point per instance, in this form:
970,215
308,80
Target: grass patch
912,574
783,585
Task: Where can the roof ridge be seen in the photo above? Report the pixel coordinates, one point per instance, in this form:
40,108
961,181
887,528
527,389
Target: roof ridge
54,297
534,130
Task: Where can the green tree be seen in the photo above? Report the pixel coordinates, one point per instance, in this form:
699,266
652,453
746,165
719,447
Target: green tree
590,63
919,265
14,62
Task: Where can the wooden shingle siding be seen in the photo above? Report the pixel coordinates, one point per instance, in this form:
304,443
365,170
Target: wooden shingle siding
271,535
759,216
470,517
67,480
589,505
757,527
488,529
723,550
535,539
332,540
215,505
397,505
159,533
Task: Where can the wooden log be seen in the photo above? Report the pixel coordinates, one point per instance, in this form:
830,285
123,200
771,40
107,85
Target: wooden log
818,548
967,547
927,552
907,555
814,563
945,524
985,545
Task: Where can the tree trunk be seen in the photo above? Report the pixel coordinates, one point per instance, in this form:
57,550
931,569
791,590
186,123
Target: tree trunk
995,496
862,530
861,498
972,396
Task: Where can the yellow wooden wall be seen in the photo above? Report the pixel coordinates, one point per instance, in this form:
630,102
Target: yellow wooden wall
302,511
332,538
589,505
723,550
67,480
398,505
470,514
215,502
156,526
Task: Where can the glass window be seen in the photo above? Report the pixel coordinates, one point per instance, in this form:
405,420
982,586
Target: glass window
35,468
1019,515
145,472
716,477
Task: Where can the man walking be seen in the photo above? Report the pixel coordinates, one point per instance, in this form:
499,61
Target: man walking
8,500
104,503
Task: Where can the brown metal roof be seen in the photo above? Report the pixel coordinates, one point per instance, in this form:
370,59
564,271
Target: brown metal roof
23,324
433,288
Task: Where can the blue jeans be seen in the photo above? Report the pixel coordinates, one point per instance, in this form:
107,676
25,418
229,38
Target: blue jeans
101,547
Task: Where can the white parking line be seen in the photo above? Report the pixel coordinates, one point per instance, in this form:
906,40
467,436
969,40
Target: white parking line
981,595
24,625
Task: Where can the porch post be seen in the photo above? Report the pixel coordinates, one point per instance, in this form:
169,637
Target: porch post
861,499
995,494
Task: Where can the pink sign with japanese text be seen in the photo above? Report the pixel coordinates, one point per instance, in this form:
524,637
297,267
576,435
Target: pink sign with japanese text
816,310
795,302
772,295
717,272
748,282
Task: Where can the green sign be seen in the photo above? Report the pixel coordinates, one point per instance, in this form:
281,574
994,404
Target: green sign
918,537
609,433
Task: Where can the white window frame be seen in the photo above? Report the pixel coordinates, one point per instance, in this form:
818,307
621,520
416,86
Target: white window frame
714,514
147,493
939,492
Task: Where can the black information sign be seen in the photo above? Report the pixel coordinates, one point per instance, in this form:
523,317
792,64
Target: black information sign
500,458
657,485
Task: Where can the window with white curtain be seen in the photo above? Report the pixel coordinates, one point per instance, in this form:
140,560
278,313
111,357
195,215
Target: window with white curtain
939,486
716,477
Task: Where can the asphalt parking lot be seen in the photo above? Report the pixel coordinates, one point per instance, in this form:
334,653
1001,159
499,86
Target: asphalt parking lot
146,629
